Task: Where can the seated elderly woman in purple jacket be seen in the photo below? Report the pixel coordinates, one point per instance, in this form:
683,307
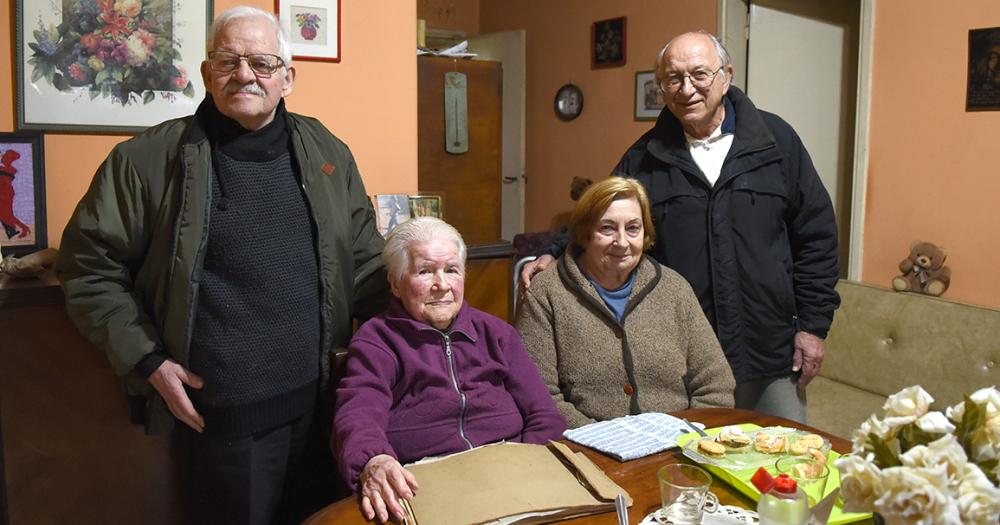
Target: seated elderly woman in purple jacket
432,375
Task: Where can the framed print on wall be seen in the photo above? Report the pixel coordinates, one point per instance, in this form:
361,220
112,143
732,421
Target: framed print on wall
982,91
108,66
314,27
648,97
607,43
22,193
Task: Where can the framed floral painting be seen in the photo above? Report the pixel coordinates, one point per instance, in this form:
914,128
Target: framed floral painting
314,27
108,65
22,193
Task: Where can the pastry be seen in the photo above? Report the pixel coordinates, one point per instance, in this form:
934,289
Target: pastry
711,448
770,443
802,445
733,437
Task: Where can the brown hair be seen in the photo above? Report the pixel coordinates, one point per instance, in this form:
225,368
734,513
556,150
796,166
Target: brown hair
598,198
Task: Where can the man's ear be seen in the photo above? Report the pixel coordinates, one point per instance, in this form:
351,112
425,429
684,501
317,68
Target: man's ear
205,70
289,81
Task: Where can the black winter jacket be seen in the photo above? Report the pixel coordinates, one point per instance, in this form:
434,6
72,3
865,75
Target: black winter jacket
759,247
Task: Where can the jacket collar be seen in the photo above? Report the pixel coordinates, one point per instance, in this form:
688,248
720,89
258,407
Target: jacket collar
647,276
396,315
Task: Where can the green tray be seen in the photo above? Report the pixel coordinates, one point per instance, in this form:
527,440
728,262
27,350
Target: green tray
740,479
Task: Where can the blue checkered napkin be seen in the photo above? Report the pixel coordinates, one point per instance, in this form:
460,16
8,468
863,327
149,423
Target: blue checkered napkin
630,437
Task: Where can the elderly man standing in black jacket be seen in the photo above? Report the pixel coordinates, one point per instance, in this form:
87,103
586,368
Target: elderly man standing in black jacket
742,214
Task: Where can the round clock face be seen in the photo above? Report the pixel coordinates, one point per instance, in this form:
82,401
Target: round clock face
569,102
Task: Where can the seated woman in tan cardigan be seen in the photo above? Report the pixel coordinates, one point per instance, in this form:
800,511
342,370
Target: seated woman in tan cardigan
612,331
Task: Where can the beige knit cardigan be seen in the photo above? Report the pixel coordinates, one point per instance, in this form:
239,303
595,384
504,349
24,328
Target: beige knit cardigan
662,357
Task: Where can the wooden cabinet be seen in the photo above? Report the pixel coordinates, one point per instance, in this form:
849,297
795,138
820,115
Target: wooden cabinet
470,182
69,453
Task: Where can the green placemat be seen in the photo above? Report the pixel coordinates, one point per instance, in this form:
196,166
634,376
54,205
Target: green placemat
740,479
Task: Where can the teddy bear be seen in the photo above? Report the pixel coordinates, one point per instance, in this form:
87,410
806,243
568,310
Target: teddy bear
923,271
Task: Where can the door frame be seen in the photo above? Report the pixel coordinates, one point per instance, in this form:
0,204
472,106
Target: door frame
734,29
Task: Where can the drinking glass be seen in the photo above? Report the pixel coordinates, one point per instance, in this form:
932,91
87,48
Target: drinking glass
809,473
684,493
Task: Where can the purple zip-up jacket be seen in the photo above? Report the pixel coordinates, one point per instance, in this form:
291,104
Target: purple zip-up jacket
402,395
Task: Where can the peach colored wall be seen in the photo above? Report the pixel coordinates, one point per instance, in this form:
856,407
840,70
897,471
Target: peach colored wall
558,41
455,15
931,171
375,117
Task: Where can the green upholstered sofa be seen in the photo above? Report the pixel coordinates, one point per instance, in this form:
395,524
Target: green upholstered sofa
882,341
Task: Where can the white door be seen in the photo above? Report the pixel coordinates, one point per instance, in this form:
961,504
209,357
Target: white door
508,48
802,64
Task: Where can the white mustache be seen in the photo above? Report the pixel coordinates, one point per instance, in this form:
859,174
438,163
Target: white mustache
253,89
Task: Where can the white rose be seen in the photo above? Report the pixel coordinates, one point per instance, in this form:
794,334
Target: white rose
860,483
978,499
917,496
988,397
945,452
872,425
911,401
935,423
138,53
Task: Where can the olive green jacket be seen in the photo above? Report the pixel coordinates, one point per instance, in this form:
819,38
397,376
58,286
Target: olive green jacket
132,253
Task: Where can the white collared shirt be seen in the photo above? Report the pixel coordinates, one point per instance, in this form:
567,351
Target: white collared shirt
709,154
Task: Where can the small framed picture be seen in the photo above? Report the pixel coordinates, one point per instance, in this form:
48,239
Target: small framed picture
983,88
427,206
648,97
22,193
391,210
314,28
607,38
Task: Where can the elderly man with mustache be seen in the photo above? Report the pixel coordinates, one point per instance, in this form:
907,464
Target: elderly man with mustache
218,260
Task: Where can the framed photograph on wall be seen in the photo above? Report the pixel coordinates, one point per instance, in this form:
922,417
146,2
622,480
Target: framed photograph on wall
22,193
427,206
314,27
648,97
391,210
102,66
983,89
607,43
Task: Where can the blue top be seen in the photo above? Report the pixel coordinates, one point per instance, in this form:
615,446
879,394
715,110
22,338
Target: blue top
615,299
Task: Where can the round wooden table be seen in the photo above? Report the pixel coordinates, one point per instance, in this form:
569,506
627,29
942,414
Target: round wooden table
638,476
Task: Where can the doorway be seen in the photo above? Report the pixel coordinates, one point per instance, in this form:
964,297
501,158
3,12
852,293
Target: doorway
508,48
802,59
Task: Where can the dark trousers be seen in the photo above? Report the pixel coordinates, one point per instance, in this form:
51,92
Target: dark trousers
278,476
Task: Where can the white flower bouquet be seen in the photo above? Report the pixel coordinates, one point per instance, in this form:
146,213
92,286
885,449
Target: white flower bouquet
916,466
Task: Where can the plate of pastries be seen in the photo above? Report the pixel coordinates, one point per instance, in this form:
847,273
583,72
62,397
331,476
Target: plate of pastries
736,449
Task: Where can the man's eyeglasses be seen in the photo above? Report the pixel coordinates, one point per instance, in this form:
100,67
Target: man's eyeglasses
700,78
262,64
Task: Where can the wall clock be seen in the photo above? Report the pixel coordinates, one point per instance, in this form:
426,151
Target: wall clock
569,102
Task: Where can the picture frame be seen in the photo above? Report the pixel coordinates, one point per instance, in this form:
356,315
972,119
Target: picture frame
648,96
983,87
608,43
313,26
72,75
425,205
391,210
23,228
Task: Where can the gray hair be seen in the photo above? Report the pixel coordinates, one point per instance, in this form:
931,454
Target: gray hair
720,49
245,11
396,253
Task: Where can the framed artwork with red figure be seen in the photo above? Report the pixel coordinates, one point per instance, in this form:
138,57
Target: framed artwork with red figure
22,194
314,28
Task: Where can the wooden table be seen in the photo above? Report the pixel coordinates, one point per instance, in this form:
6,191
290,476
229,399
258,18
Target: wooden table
638,476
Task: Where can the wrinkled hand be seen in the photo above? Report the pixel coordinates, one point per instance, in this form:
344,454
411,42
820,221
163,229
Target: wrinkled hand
529,270
809,352
383,482
169,380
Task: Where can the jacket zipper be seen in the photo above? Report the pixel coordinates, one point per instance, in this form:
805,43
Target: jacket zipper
461,395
